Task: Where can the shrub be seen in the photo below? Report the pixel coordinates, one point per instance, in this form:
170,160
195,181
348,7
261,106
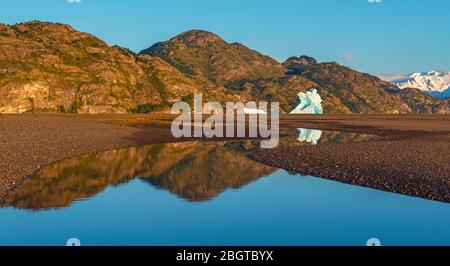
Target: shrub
150,108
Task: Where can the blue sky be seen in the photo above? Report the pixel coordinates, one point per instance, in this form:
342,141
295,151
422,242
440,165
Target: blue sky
392,36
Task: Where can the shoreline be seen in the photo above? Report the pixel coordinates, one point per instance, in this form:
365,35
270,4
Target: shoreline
30,142
410,167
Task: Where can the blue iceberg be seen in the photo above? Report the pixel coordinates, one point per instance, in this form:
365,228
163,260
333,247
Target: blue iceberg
308,103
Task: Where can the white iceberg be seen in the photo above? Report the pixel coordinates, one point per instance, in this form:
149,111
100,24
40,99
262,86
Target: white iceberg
308,103
310,136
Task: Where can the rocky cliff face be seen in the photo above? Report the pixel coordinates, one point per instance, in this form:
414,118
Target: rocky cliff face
48,67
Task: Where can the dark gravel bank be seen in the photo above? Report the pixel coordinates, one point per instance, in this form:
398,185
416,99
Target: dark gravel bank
417,167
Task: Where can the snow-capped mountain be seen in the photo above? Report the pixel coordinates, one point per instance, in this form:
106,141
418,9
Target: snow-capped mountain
434,83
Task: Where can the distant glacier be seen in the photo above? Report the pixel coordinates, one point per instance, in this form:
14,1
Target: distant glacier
434,83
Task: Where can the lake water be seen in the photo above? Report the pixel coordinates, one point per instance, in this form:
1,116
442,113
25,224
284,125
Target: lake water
198,193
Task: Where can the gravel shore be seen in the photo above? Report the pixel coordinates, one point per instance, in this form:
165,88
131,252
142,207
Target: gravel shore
411,156
415,166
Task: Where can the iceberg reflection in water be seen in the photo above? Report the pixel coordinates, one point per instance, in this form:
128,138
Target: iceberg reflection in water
310,136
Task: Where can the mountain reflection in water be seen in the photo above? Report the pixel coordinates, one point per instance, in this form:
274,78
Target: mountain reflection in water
194,171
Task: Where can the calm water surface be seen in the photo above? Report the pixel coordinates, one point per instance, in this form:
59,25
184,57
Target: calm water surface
198,193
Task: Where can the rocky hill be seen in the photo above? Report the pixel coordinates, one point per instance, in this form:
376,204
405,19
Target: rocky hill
48,67
421,102
205,54
52,67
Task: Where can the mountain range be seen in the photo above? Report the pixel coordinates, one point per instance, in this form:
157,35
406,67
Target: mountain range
51,67
435,83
